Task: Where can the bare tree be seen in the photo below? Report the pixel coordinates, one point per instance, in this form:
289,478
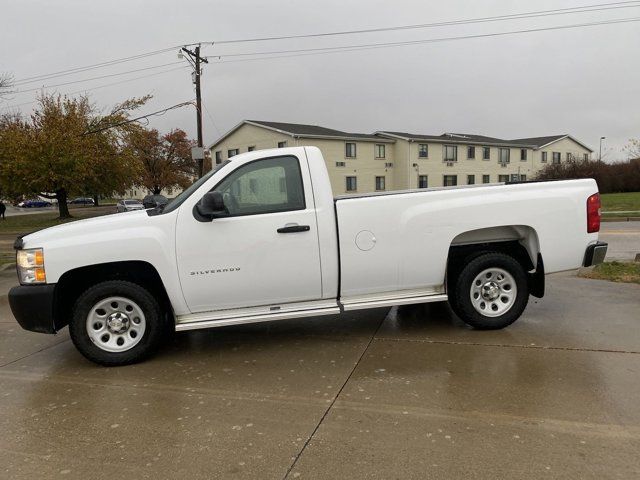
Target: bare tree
6,82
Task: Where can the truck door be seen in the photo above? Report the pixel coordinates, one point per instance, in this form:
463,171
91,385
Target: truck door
264,252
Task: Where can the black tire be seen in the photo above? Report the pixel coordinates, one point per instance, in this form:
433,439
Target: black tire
154,330
462,305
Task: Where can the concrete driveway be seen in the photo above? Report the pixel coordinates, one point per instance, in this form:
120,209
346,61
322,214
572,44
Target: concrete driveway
401,393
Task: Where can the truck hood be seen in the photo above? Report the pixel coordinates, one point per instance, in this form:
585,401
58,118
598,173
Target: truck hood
95,226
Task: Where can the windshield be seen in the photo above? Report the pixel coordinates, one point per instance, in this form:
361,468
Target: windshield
176,202
132,202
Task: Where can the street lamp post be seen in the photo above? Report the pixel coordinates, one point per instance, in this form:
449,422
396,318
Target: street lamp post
600,155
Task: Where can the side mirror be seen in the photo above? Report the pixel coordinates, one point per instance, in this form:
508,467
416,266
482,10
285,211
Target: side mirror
210,206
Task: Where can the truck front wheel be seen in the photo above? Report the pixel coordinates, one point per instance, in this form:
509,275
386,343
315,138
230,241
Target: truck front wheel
116,323
491,291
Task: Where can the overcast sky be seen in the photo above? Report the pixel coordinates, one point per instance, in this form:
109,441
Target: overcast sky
583,81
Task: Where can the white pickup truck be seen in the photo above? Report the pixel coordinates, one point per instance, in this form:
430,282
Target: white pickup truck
261,238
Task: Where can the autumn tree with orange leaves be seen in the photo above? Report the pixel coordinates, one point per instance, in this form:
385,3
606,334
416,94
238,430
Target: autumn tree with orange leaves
164,160
67,147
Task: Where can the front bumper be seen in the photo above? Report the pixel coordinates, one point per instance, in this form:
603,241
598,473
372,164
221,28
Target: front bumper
595,254
32,305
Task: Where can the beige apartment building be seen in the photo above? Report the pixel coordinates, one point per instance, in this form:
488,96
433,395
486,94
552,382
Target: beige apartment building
386,160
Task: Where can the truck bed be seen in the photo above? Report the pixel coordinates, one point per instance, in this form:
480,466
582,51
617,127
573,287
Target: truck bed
400,240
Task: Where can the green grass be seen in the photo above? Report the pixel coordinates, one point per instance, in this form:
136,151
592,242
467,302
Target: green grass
615,272
16,225
615,202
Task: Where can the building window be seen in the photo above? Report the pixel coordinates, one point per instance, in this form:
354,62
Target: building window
380,183
585,156
282,144
423,150
471,153
218,157
544,157
515,177
471,179
388,165
486,153
504,155
380,151
423,181
523,178
350,150
503,178
523,154
352,184
340,164
450,153
556,157
569,157
450,180
486,178
251,148
232,153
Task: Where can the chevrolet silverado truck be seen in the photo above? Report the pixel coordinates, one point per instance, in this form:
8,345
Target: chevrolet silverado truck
262,238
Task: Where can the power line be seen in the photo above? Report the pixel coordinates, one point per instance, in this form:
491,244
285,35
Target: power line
71,71
159,112
211,118
102,86
532,14
515,16
368,46
96,78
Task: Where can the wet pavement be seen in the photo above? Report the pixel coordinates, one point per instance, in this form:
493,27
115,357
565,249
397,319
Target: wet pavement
403,393
623,239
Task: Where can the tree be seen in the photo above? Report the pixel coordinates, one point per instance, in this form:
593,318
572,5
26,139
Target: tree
6,82
611,177
65,147
165,160
633,149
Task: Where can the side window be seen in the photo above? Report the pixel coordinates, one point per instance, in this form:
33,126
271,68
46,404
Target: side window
264,186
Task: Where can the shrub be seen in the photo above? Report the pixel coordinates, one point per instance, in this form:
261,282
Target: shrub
611,177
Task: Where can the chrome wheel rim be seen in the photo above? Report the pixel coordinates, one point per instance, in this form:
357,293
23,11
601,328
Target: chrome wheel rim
116,324
493,292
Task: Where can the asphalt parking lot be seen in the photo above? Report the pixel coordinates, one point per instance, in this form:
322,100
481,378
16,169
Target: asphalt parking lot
400,393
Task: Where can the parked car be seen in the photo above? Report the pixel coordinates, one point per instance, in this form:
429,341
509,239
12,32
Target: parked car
153,201
129,205
35,203
82,201
262,238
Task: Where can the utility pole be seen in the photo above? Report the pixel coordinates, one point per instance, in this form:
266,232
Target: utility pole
195,59
600,155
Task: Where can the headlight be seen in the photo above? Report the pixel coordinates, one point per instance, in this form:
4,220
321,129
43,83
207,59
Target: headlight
30,264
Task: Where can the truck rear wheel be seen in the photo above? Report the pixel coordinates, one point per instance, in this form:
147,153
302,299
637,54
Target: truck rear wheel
116,323
491,291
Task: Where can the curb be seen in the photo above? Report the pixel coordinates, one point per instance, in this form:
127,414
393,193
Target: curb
620,219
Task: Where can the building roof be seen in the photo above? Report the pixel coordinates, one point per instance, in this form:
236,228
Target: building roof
302,130
305,131
531,142
539,141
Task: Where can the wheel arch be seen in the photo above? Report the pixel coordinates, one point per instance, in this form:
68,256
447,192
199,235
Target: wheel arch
74,282
519,241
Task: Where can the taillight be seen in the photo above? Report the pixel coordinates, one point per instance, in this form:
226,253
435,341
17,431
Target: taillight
593,213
